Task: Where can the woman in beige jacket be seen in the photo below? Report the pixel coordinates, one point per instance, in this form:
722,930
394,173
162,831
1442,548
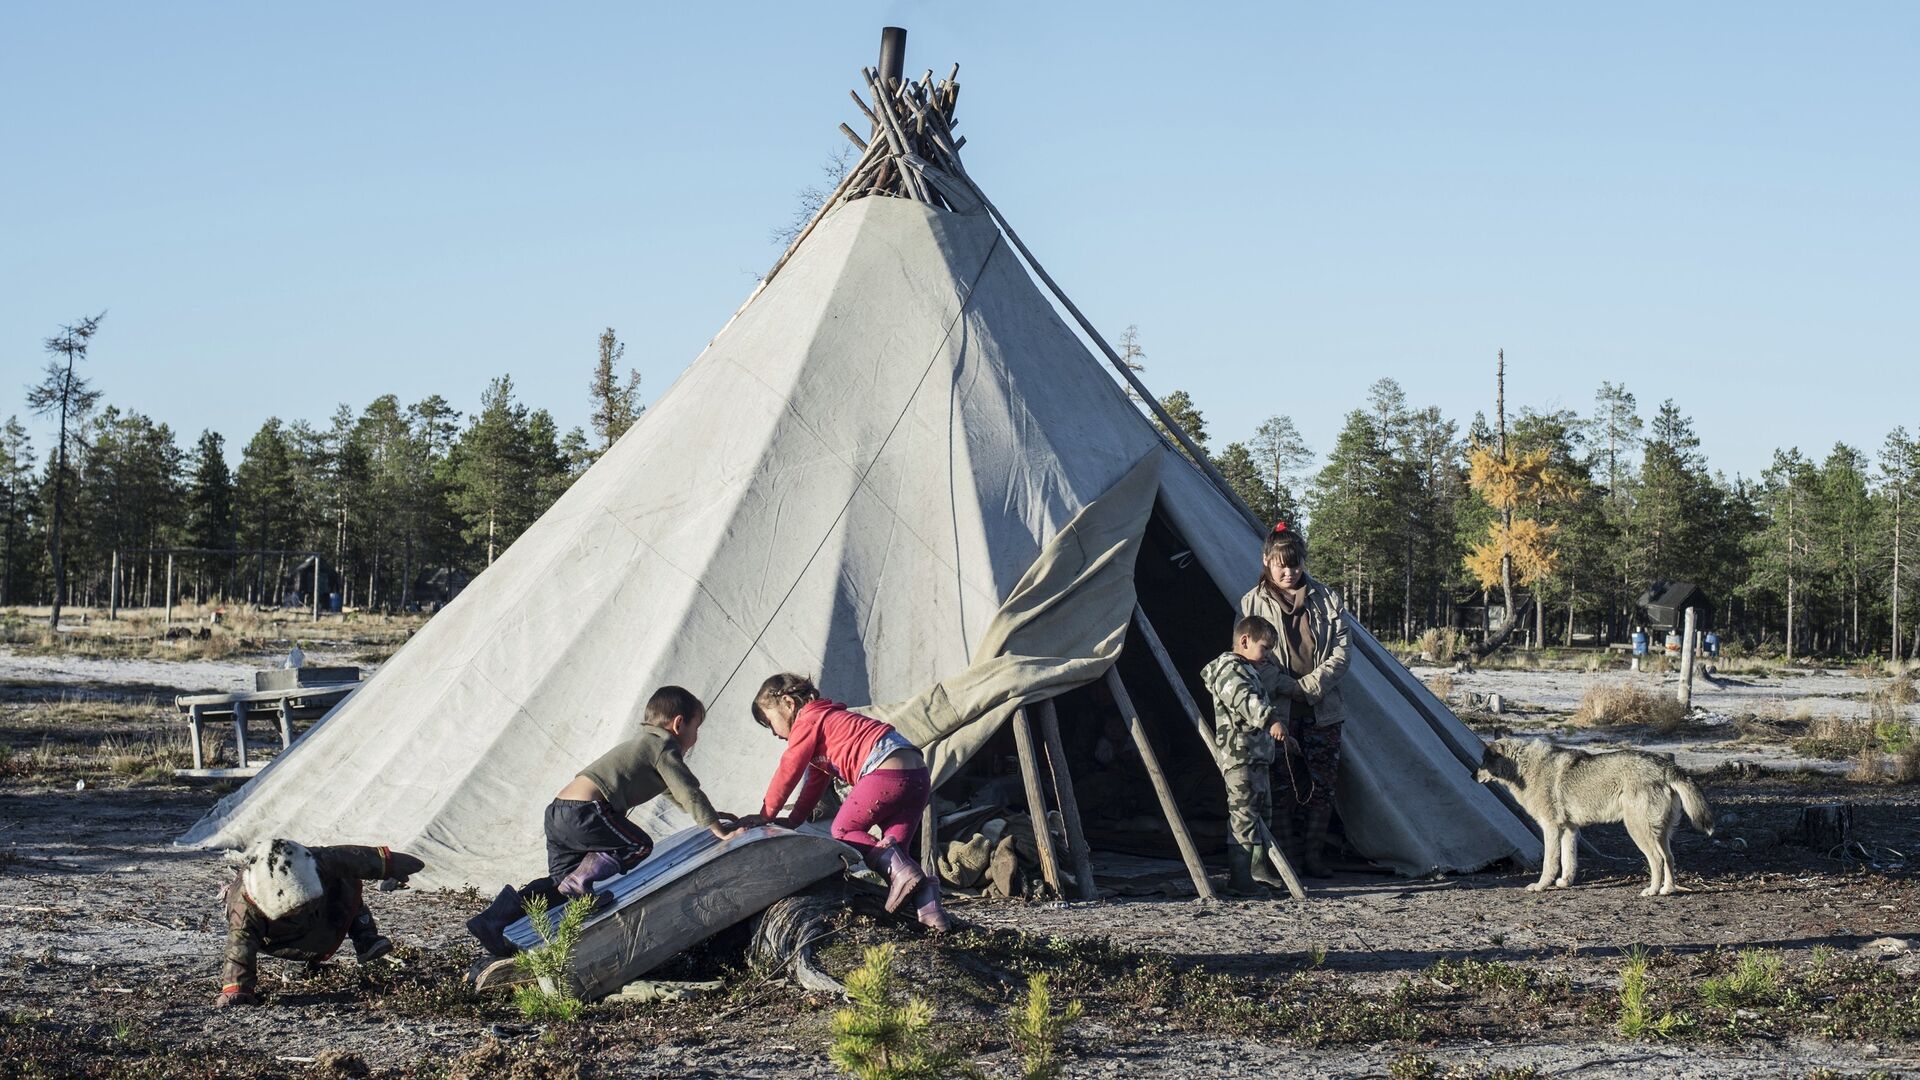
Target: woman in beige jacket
1306,668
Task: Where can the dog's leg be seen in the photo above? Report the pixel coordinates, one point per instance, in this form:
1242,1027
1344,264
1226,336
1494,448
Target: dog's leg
1646,837
1569,856
1667,887
1549,857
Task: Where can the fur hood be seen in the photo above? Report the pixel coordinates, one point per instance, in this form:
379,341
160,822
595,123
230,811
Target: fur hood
279,876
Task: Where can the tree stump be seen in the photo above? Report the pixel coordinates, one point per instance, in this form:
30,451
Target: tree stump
1824,827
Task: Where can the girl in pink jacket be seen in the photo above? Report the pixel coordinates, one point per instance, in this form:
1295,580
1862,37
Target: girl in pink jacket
891,784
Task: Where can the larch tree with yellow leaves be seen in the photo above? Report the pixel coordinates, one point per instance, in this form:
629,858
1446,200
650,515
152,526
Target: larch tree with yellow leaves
1515,546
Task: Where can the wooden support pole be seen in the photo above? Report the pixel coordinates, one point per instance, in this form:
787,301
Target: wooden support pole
930,839
1036,801
1159,650
169,590
286,723
240,732
316,588
1077,848
1686,663
1181,837
113,588
195,726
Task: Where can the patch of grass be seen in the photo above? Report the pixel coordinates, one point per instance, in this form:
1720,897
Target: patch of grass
1638,1017
1614,704
1834,738
1756,979
1442,645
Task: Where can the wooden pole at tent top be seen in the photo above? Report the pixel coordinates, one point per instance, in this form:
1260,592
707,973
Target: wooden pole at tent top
1182,839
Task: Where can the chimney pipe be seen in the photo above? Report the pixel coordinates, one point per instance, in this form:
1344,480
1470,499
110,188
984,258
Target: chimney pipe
893,54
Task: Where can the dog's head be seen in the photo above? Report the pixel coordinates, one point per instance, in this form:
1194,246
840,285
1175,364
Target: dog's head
1502,761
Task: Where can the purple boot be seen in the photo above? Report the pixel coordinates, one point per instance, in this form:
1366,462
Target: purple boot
902,873
926,904
597,866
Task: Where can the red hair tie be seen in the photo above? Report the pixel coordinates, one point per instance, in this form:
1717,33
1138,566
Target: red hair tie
1279,526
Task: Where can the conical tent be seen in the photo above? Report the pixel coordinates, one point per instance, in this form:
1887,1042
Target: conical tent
896,468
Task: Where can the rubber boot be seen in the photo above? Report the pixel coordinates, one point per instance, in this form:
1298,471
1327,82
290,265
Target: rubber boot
1263,871
368,945
1240,872
902,873
490,926
597,866
1313,863
926,906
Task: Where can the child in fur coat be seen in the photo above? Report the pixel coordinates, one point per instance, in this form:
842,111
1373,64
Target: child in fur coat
300,903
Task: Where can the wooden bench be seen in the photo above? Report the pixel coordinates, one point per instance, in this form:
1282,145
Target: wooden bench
282,703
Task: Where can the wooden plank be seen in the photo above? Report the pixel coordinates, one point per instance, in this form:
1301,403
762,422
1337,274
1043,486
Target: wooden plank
1077,848
1159,650
1181,837
250,697
286,725
1036,801
217,774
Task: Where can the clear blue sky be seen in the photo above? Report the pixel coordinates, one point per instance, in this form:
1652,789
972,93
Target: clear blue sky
288,207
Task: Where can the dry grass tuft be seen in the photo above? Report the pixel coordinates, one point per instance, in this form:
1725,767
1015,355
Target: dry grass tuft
1901,690
1866,767
1905,767
1616,704
1442,645
1442,686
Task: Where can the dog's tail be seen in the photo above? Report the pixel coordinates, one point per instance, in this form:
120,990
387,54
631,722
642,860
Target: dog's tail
1694,803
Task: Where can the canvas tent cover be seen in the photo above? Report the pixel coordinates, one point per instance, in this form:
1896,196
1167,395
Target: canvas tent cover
896,469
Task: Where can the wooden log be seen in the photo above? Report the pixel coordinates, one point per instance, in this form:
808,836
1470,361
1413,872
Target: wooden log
1183,839
896,138
862,102
1077,848
1036,801
286,723
852,138
1160,655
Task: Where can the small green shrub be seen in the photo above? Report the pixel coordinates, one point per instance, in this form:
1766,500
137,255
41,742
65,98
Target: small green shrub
879,1039
1037,1030
551,960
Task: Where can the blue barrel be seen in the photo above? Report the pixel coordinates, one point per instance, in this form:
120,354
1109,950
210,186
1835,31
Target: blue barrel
1712,643
1639,643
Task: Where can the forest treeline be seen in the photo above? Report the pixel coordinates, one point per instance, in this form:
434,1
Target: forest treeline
1403,512
401,500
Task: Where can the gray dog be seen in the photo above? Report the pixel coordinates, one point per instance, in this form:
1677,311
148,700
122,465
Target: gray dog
1564,789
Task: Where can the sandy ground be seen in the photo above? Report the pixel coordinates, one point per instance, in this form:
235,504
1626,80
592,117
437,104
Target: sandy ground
112,937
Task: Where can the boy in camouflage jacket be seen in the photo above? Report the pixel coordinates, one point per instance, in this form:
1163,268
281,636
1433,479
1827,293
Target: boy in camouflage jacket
1249,727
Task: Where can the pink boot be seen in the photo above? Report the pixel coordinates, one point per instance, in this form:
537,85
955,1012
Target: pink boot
902,873
926,903
597,866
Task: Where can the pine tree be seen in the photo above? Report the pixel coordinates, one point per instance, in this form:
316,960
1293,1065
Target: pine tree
1181,409
210,504
1282,455
1783,553
1844,518
1244,476
65,394
268,499
498,485
1898,489
616,405
16,502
